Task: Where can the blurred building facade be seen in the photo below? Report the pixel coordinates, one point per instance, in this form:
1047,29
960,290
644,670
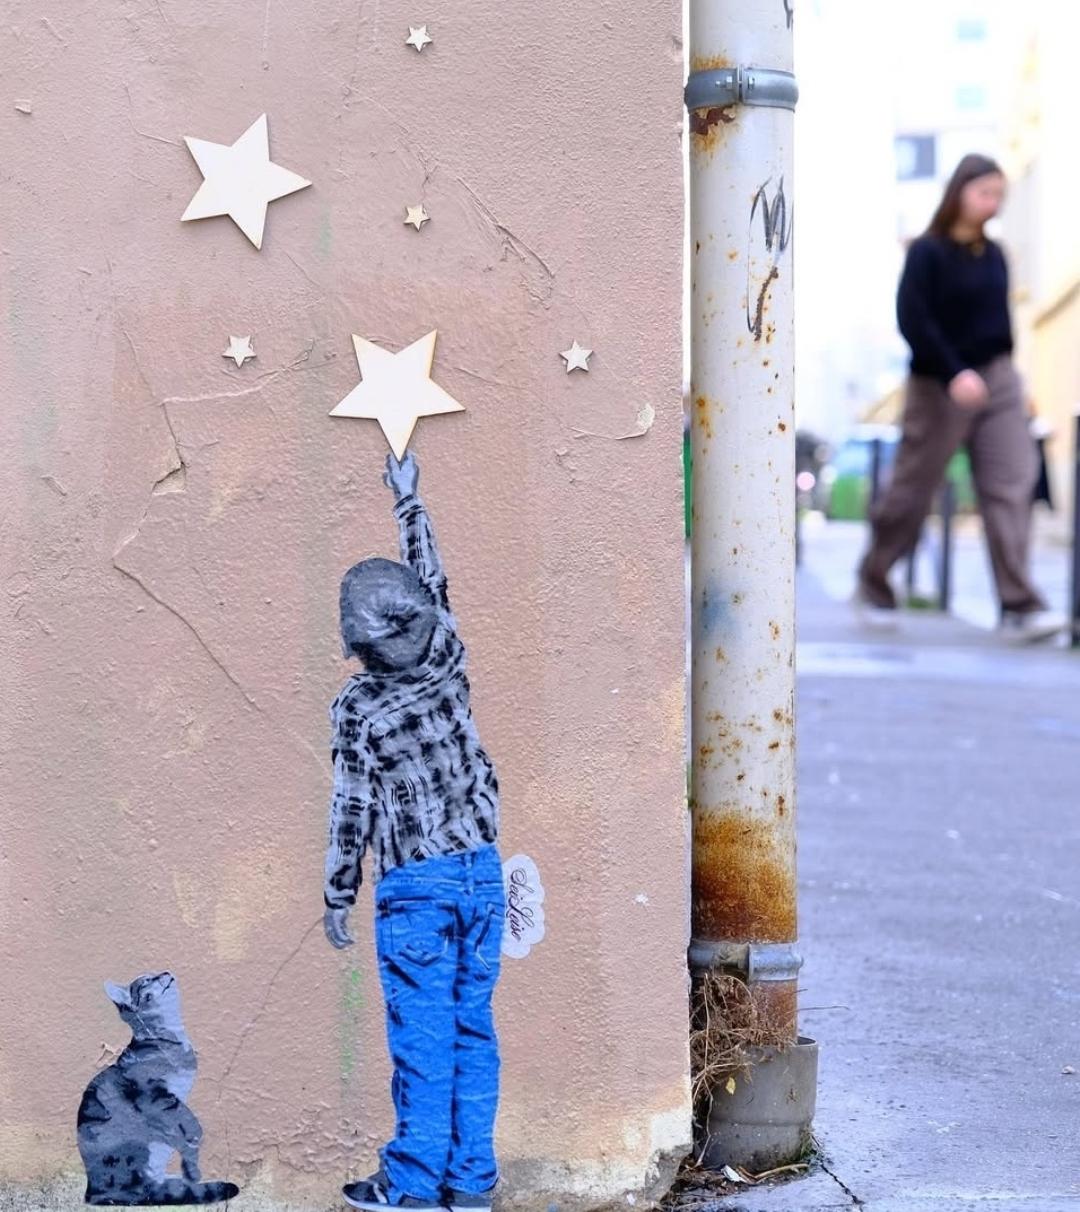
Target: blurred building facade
951,99
1043,238
950,92
846,257
890,102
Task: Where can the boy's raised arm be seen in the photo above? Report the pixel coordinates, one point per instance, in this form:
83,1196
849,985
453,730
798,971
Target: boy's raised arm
418,547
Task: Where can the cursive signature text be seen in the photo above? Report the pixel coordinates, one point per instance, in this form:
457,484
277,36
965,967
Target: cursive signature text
519,914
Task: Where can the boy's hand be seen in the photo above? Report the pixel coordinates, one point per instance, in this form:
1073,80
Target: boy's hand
336,927
402,477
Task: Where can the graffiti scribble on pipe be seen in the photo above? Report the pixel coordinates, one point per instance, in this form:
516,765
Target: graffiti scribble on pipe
762,263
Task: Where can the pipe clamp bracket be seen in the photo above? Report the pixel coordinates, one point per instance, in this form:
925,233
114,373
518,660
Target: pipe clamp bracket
719,87
753,961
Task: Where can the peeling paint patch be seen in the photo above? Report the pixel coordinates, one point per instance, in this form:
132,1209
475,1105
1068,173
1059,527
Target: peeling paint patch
538,276
171,481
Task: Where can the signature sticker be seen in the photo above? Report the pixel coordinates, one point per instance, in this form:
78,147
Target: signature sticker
524,925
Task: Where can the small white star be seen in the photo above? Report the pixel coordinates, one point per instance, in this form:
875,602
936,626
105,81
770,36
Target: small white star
576,358
417,216
418,37
239,350
240,180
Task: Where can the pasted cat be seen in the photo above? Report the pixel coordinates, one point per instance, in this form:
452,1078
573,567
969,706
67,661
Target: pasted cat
133,1116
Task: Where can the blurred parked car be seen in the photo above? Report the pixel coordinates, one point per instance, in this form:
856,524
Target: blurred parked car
811,456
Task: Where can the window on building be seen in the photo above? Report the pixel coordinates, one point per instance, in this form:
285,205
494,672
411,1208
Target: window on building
970,96
916,157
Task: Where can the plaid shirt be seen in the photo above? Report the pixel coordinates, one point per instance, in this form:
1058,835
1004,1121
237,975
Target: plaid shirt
411,780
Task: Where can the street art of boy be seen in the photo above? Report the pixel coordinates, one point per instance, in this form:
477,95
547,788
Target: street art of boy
133,1116
413,785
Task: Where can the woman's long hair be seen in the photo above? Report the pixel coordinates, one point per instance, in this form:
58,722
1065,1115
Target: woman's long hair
948,211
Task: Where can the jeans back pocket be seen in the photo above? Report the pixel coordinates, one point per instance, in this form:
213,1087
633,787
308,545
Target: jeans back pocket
418,931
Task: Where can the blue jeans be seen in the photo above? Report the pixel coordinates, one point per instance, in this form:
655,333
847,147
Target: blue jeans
438,936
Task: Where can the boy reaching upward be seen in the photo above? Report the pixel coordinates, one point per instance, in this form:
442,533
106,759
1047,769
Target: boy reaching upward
413,785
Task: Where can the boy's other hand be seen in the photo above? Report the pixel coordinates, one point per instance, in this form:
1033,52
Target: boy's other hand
336,927
402,477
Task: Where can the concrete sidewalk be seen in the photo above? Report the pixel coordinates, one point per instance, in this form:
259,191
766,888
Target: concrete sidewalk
939,799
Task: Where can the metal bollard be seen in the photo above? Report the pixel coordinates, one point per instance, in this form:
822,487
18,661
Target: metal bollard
1075,611
798,534
912,563
948,510
875,470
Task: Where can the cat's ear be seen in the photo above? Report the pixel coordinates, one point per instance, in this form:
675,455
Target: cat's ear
120,994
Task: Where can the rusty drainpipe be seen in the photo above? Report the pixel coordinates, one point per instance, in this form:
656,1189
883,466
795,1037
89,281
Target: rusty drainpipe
741,98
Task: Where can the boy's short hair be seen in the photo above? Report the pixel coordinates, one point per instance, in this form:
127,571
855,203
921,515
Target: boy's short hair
387,615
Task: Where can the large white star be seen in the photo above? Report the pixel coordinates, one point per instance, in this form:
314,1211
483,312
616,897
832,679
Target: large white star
396,389
240,180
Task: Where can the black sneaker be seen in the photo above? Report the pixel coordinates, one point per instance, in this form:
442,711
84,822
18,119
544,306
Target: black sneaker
373,1194
462,1201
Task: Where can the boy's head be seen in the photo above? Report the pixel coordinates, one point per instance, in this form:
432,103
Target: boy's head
387,615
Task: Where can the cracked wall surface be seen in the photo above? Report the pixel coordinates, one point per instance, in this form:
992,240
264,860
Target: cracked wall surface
174,528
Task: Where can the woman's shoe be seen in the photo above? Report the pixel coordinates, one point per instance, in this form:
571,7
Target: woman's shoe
872,616
1031,626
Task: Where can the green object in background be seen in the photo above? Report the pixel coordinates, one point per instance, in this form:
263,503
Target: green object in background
687,462
849,494
849,497
959,474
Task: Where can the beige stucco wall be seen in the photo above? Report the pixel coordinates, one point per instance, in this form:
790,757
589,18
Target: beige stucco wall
173,530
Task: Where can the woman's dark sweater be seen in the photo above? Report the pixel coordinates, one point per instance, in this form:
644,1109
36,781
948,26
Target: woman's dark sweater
953,306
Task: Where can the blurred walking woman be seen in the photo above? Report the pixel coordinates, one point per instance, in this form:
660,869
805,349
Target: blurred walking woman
953,311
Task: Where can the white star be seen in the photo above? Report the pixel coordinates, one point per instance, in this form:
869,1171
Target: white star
240,180
576,357
239,350
417,216
396,390
418,37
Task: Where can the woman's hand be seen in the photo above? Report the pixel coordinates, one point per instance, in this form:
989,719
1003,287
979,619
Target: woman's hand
402,477
969,390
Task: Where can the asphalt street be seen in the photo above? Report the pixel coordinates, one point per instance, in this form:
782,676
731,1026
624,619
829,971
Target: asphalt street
939,821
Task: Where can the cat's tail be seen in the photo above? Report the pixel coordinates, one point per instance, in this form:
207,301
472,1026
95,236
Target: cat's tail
180,1191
